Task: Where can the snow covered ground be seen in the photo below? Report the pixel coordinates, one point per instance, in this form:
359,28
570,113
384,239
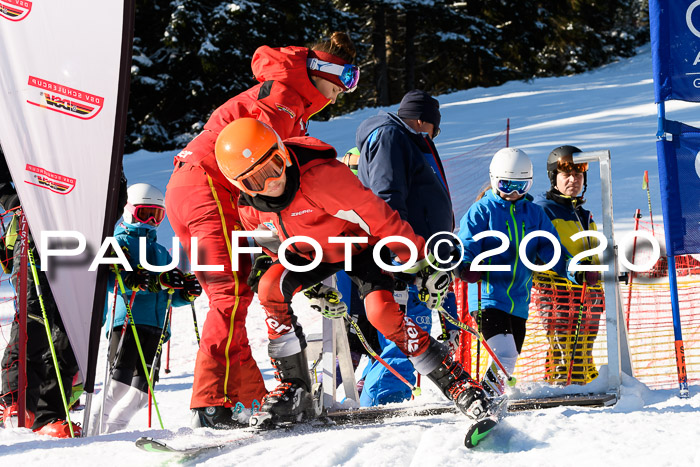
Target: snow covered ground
610,108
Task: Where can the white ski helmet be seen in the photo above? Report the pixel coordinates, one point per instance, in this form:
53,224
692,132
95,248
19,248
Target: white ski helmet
510,164
140,194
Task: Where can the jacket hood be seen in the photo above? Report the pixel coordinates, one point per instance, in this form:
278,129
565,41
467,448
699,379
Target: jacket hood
288,65
135,230
368,126
305,149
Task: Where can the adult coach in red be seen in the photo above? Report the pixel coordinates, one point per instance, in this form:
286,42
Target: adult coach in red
295,83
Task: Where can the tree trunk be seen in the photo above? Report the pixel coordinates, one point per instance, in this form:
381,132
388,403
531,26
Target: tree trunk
410,56
379,47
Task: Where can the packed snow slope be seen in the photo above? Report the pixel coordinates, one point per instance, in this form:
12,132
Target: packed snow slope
609,108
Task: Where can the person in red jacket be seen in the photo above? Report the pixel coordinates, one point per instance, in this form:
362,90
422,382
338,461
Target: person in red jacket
295,83
299,188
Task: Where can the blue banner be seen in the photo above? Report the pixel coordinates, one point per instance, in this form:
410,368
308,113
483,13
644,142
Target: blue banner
675,49
679,177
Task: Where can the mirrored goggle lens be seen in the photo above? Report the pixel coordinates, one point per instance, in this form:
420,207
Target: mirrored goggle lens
146,213
350,76
509,186
568,167
268,169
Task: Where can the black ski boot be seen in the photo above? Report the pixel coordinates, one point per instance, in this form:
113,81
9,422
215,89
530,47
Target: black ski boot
457,385
292,400
220,418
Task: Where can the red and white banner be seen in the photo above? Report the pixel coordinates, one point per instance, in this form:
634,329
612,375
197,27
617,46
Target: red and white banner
60,65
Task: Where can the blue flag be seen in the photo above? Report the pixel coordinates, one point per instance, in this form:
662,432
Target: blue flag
675,49
679,177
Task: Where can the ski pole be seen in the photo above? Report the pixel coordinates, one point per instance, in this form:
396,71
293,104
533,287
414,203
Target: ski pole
194,318
478,324
578,329
159,349
415,390
37,286
130,317
477,334
645,185
637,216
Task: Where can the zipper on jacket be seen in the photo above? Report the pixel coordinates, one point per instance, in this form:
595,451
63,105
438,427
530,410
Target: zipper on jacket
517,250
286,235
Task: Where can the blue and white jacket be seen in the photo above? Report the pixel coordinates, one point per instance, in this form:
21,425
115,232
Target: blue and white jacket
508,291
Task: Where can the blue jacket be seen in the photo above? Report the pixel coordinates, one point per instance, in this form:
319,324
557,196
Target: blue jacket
508,291
149,308
403,168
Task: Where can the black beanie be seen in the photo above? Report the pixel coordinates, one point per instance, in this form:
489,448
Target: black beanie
419,105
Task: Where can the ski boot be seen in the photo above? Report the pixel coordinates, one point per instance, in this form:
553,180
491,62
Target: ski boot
457,385
10,417
219,418
293,400
60,429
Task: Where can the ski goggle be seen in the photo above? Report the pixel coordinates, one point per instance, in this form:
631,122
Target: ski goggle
514,186
271,167
145,212
569,167
349,75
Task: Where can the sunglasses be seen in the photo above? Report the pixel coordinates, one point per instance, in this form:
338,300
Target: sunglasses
147,212
514,186
349,75
271,167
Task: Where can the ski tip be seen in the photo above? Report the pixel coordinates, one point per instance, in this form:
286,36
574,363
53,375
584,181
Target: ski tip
479,431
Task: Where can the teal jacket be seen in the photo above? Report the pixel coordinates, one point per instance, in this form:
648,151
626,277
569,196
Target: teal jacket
508,291
149,307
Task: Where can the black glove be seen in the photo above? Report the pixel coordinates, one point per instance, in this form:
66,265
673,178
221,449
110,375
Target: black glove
137,280
173,279
262,264
467,275
591,278
192,289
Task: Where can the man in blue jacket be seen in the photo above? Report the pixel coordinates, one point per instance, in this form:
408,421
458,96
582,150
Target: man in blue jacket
399,162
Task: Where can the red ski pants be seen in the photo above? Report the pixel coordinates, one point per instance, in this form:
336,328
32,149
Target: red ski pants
225,371
278,285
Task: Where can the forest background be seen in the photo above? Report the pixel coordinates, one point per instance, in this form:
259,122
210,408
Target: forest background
190,56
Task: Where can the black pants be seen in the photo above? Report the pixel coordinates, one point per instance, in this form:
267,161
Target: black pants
43,391
128,368
493,322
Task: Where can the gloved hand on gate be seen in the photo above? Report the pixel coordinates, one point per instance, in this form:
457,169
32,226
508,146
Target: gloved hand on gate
433,286
326,300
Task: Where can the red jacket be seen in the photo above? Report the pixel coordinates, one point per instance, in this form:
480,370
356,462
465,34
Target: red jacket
330,202
285,99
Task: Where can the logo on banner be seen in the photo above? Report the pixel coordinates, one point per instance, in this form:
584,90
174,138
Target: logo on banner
697,164
15,10
65,100
51,181
689,17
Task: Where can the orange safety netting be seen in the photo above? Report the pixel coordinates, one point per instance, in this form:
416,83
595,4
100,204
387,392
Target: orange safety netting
646,305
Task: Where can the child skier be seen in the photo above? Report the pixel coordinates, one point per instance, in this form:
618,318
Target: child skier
128,388
299,188
505,294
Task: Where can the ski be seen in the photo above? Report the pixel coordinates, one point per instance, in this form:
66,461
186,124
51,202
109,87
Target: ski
155,445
